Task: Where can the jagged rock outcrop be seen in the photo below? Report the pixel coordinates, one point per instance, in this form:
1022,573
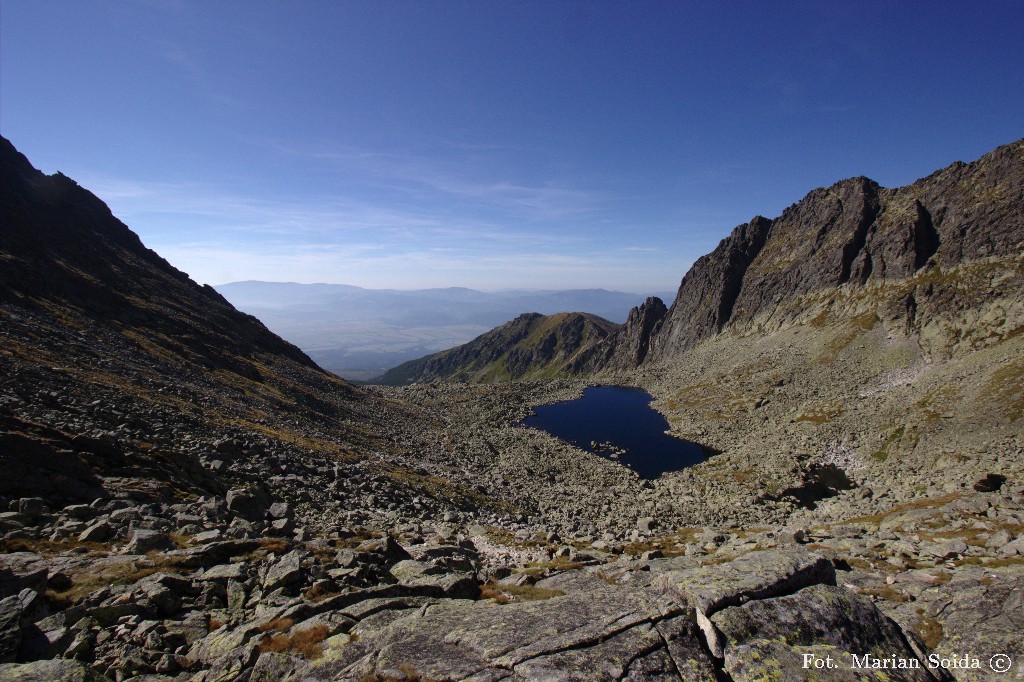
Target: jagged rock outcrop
708,292
853,232
630,343
811,246
530,346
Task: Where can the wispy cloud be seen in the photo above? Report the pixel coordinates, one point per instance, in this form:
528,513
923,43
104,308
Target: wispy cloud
189,62
458,176
367,265
174,213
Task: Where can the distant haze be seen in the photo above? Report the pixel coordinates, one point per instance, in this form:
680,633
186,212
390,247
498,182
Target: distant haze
360,333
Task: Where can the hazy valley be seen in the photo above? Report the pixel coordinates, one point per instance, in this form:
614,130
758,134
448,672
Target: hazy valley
361,333
191,497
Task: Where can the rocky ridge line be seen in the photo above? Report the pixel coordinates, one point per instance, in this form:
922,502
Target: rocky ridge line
852,233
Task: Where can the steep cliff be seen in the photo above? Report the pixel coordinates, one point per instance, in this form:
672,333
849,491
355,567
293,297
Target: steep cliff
628,345
709,290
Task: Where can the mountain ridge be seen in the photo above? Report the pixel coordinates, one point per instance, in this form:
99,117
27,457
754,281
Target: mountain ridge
529,347
851,232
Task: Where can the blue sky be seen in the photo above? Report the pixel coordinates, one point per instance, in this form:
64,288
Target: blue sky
491,144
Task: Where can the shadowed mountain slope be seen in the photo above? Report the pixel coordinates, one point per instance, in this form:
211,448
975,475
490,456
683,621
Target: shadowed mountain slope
61,245
122,376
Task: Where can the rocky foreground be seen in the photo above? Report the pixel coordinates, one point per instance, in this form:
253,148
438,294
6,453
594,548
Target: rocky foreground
223,588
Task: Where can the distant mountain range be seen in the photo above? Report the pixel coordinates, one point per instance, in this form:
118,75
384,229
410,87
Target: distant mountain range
360,333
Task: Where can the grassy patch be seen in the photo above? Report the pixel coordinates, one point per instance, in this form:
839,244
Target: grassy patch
318,594
278,625
930,631
80,585
892,442
267,546
286,436
936,402
819,413
560,563
669,545
50,548
306,642
887,593
1006,388
502,536
506,594
856,326
990,562
821,320
924,503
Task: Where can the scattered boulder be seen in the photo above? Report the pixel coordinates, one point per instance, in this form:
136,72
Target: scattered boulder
10,628
57,670
143,541
250,503
286,573
99,531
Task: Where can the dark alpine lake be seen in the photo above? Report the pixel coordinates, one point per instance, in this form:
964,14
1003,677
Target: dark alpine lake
618,424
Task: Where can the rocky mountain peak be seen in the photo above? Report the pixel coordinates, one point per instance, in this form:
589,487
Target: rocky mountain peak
850,233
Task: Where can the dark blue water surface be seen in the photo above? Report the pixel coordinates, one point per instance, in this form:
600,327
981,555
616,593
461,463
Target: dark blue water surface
623,419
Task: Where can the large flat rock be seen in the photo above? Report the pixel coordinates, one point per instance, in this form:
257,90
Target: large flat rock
596,635
822,625
757,575
982,614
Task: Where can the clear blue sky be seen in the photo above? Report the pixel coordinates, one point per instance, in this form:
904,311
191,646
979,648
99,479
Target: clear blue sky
491,144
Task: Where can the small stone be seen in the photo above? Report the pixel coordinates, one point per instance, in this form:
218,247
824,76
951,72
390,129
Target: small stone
280,510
